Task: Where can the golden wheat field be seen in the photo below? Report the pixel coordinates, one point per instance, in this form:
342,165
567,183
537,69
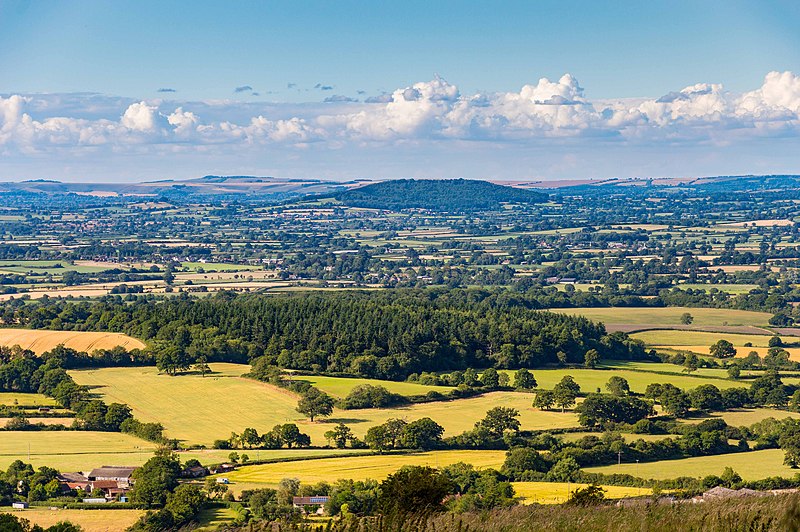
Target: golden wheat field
40,341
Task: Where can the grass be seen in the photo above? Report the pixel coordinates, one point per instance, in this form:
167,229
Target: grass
88,520
341,386
200,410
665,316
73,450
211,518
752,465
591,379
748,416
40,341
25,399
700,338
375,467
558,492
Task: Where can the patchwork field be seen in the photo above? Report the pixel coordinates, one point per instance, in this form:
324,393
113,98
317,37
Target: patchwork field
558,492
40,341
200,410
700,338
25,399
666,316
88,520
376,467
752,465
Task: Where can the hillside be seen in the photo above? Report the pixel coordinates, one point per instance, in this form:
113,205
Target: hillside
451,195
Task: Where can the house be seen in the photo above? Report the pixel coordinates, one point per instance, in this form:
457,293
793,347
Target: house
120,474
315,500
222,468
73,481
19,505
194,472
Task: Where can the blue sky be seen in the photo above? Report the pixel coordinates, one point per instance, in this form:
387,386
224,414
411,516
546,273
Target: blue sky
102,86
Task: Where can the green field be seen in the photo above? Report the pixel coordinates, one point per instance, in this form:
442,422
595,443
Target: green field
375,467
200,410
666,316
752,465
341,386
73,450
558,492
591,379
25,399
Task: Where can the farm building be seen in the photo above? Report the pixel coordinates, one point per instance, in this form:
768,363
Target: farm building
314,500
122,475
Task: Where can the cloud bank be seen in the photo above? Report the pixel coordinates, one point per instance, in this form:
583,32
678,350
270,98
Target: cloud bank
548,114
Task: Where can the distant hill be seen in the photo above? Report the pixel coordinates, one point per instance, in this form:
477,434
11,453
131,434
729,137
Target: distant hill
451,195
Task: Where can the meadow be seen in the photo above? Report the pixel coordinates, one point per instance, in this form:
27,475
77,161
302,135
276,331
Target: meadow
40,341
25,399
199,409
341,386
700,338
666,316
753,465
88,520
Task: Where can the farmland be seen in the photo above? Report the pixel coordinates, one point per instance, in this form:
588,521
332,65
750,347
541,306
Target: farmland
558,492
199,410
667,316
341,386
751,465
41,341
376,467
89,520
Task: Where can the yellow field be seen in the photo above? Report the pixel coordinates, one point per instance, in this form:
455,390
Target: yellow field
747,416
794,352
670,315
66,421
200,410
73,450
40,341
89,520
558,492
705,339
376,467
752,465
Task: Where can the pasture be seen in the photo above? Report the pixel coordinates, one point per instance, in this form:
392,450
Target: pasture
88,520
341,386
40,341
558,492
700,338
199,410
753,465
376,467
666,316
73,450
591,379
25,399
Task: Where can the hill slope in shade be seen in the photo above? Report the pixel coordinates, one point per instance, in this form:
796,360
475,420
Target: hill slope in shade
451,195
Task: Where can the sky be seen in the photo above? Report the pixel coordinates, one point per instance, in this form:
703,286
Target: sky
517,90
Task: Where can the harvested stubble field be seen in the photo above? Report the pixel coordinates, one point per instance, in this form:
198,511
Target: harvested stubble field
88,520
558,492
40,341
201,409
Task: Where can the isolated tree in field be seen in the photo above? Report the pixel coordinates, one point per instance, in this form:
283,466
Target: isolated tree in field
201,365
591,495
686,318
775,341
524,380
565,392
591,358
544,400
500,419
618,386
315,403
339,436
723,349
734,371
423,433
691,363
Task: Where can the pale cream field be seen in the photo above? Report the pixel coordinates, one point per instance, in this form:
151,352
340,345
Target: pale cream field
40,341
88,520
